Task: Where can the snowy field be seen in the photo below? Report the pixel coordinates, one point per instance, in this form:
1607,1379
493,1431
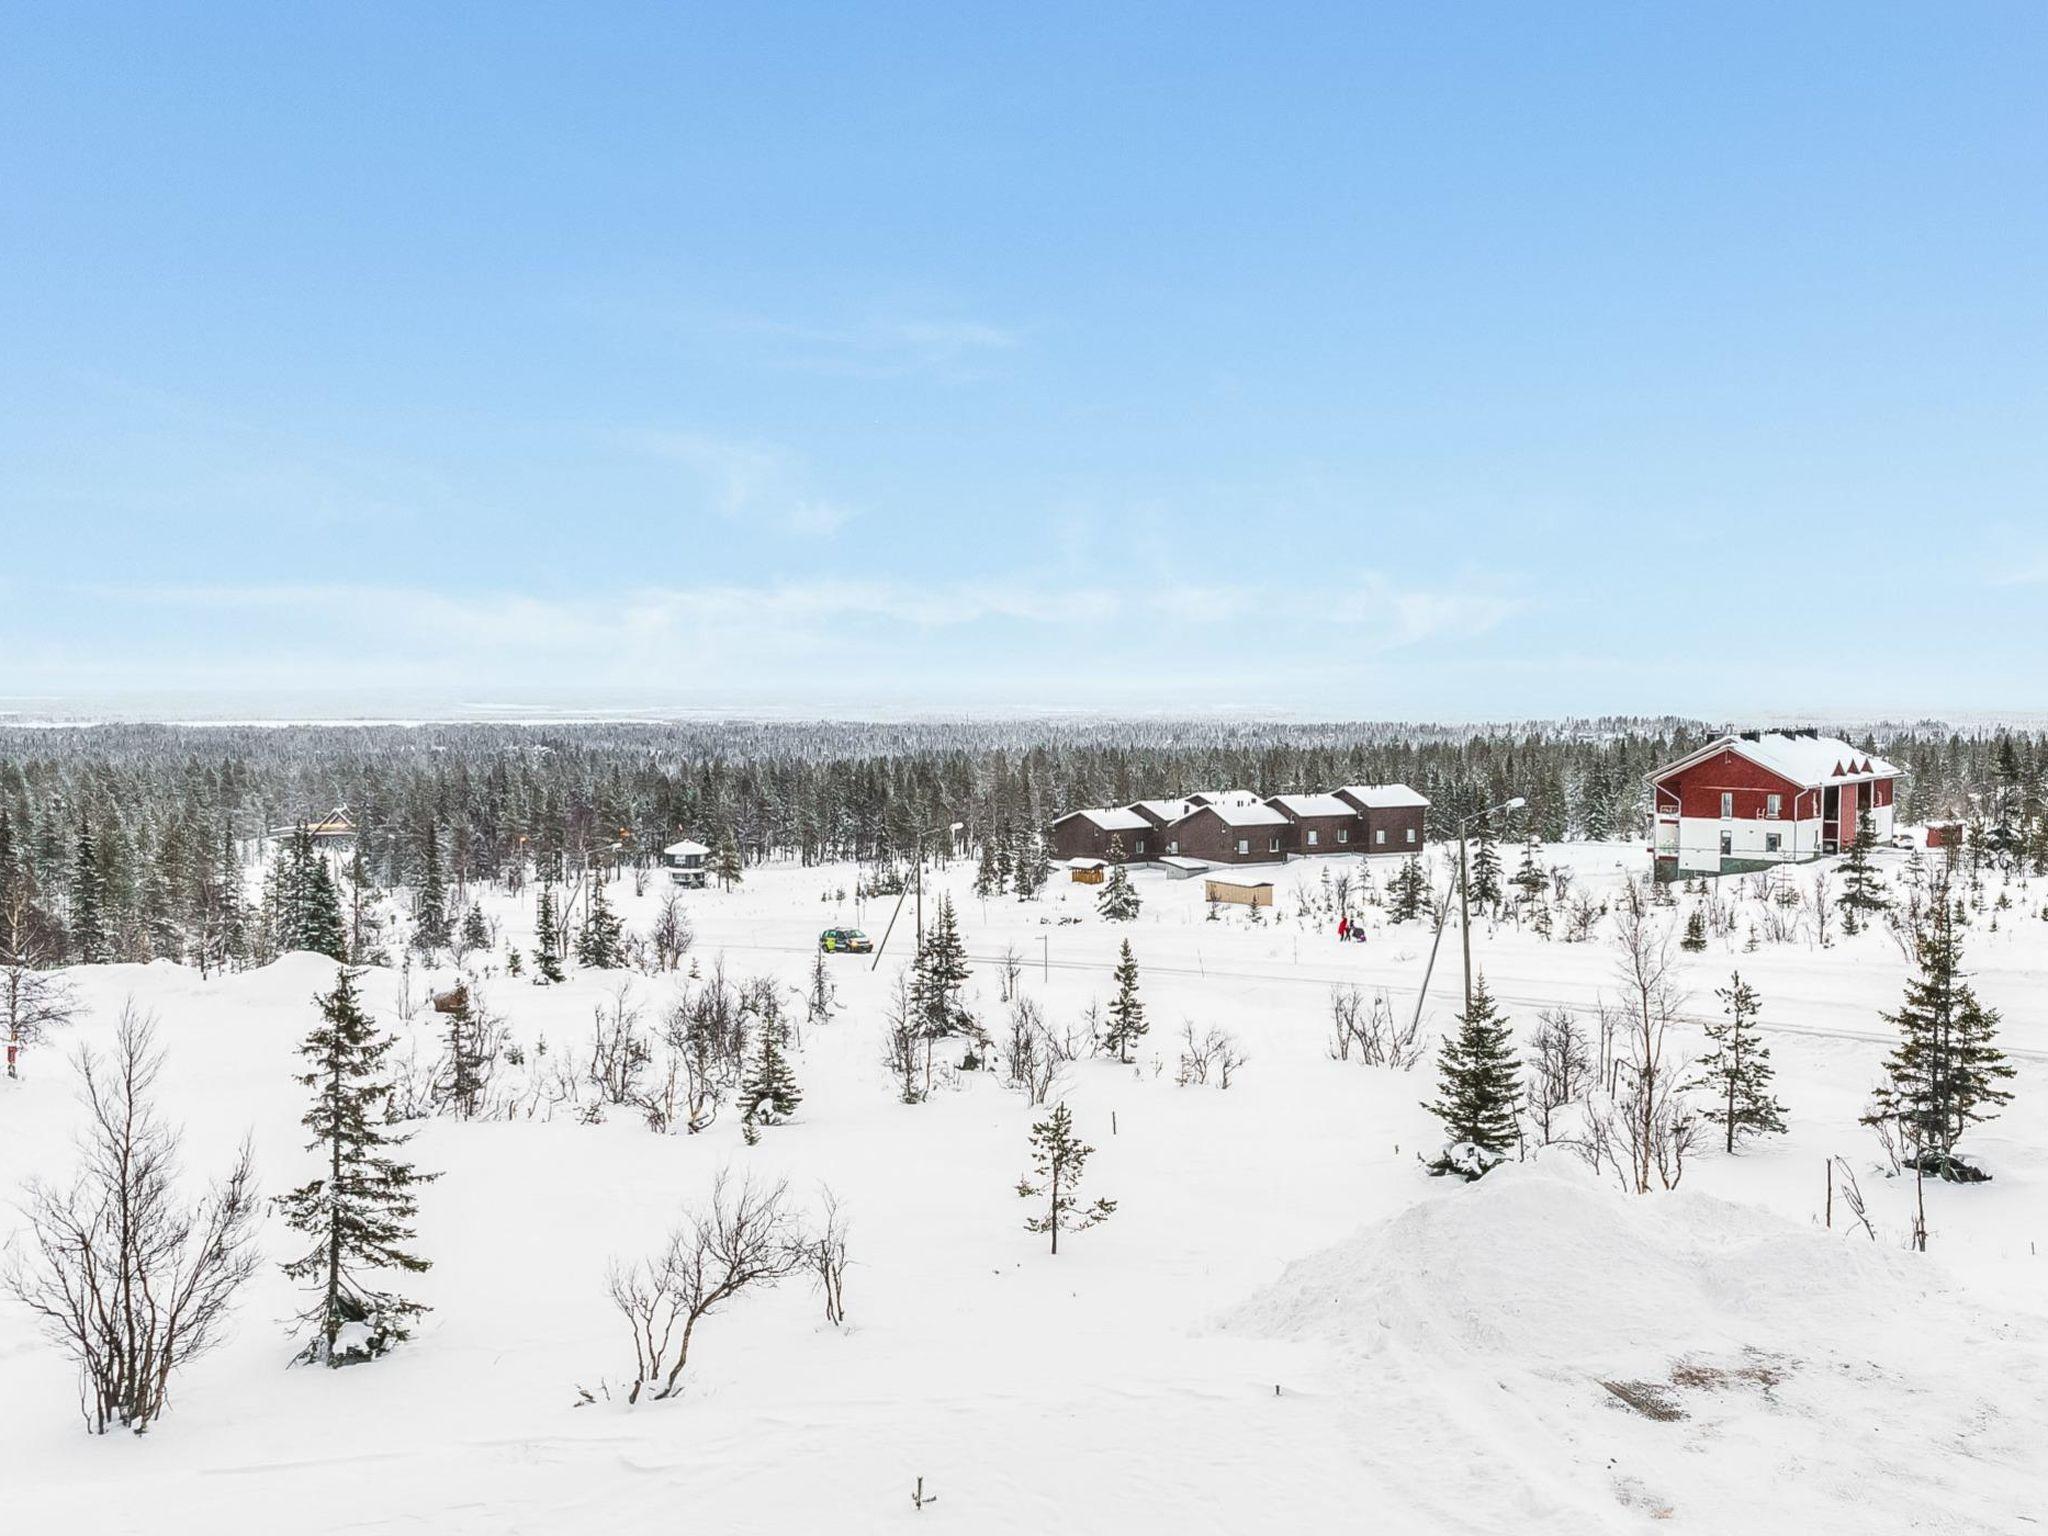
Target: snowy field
1286,1326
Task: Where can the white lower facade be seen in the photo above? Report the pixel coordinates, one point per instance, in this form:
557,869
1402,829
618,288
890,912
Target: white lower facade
1701,844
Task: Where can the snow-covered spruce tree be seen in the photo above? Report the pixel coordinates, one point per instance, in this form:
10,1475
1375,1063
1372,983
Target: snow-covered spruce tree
1478,1087
1486,872
1408,891
1118,900
1529,880
1695,939
1738,1070
365,916
225,927
768,1093
939,974
819,995
1863,893
726,865
34,999
431,927
1127,1024
547,939
358,1213
1032,865
1945,1073
988,881
305,907
476,933
90,943
470,1055
600,942
1059,1157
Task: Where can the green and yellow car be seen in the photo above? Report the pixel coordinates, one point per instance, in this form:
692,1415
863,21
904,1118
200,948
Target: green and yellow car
845,941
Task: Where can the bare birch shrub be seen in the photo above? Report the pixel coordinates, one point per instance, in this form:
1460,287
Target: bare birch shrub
1215,1051
741,1239
619,1050
903,1043
823,1252
1560,1072
1643,1116
1347,1020
671,935
127,1279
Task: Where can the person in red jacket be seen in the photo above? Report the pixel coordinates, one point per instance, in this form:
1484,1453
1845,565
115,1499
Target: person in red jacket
1344,928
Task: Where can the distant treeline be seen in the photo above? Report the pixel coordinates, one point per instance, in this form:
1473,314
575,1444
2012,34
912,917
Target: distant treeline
156,805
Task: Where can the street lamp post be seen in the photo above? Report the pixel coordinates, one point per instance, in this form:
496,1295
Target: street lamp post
1465,913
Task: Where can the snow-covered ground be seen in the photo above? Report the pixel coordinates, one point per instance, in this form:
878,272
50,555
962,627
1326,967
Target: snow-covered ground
1286,1326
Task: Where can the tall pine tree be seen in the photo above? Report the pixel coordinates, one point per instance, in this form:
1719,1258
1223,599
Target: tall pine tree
1486,871
1126,1012
939,975
768,1093
600,943
726,864
90,942
358,1214
1863,893
1945,1074
1118,900
1478,1087
1059,1158
547,939
1738,1070
1408,891
431,926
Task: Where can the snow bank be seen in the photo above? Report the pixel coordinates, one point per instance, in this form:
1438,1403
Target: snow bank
1538,1351
1541,1263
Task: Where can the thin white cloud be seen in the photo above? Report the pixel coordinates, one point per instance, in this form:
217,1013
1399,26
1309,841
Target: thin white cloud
747,481
780,637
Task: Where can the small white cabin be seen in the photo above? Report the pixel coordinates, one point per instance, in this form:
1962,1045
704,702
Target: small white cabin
686,863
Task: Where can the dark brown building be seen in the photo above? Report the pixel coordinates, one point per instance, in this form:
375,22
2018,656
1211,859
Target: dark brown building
1322,823
1232,834
1110,833
1161,813
1393,816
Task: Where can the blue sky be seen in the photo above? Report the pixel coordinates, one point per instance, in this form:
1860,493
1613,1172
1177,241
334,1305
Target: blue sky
1351,361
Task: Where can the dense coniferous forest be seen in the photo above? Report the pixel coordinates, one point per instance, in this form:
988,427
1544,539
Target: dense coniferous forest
138,841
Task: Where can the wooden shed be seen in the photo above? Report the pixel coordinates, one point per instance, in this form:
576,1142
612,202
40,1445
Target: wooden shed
1246,893
1087,871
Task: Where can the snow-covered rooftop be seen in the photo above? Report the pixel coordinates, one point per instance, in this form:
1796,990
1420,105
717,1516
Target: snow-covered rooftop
1256,814
685,849
1384,797
1165,810
1225,797
1805,760
1314,805
1113,819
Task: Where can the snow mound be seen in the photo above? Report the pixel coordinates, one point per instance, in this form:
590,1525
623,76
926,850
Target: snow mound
1541,1264
1537,1352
